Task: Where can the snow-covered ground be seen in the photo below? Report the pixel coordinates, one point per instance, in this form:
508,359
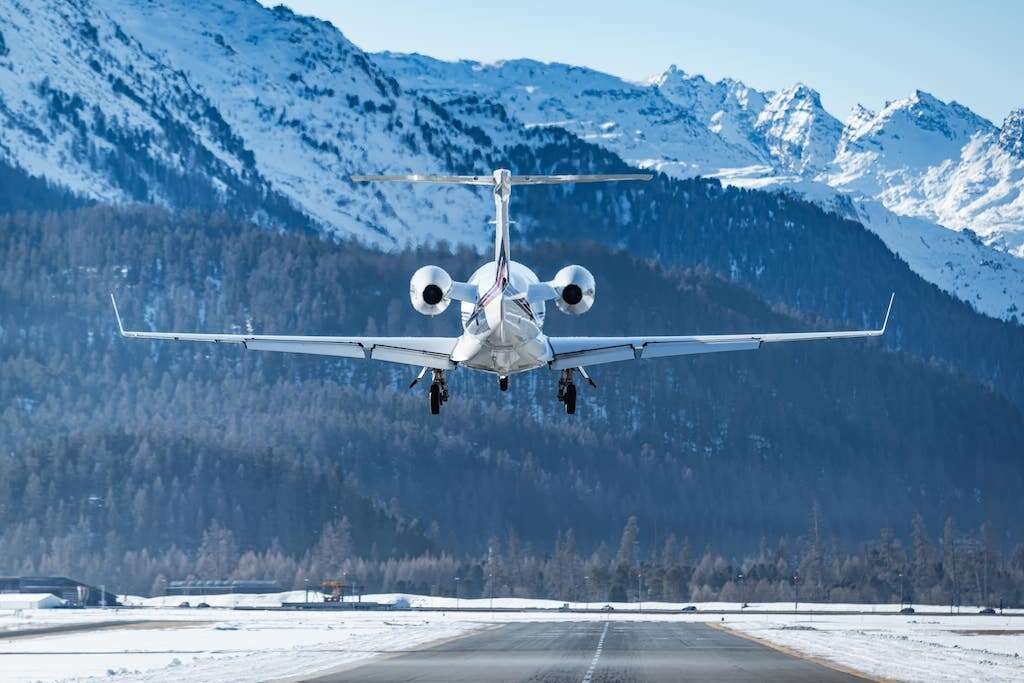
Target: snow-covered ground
155,643
212,645
966,648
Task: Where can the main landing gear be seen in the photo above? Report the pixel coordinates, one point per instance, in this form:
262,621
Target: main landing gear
567,388
438,393
503,382
567,391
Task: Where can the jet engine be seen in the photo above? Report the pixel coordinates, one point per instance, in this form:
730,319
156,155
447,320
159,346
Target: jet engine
575,288
429,289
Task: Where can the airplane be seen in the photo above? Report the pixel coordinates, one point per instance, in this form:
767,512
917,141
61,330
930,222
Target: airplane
503,310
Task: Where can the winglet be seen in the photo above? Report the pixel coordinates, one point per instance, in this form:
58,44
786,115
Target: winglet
887,312
117,315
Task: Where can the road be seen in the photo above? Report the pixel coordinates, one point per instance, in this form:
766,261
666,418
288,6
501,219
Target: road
593,652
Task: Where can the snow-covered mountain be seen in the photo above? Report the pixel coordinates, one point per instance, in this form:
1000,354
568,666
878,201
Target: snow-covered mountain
922,157
226,103
637,122
166,101
911,172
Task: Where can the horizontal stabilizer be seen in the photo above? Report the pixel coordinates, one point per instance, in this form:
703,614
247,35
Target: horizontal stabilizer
440,179
491,179
560,179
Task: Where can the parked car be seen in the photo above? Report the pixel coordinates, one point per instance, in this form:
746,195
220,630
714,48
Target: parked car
203,605
987,610
607,608
907,610
184,604
689,608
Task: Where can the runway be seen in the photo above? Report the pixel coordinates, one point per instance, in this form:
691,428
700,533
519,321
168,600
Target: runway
593,652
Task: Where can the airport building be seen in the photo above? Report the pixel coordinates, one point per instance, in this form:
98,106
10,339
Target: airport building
74,592
206,587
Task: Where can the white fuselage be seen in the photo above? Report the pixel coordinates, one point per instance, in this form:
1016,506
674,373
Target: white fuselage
503,330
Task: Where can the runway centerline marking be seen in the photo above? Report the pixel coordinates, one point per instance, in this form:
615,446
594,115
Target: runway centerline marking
597,655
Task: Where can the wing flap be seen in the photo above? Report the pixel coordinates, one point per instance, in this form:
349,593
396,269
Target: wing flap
312,347
597,356
691,348
407,356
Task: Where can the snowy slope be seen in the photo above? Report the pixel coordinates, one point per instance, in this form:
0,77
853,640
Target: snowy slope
79,97
957,262
314,109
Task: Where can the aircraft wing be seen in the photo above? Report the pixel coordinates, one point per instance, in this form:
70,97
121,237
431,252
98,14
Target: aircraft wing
430,352
571,352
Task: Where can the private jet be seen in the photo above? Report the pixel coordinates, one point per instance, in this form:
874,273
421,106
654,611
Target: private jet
503,309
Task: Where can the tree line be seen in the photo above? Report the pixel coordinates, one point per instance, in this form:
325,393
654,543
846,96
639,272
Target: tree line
124,454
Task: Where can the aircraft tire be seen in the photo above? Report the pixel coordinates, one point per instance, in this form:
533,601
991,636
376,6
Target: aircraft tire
435,399
570,399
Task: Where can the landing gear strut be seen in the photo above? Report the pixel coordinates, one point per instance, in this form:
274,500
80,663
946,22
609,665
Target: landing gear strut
503,382
438,391
567,391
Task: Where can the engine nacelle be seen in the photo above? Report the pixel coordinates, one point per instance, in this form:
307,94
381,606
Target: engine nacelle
428,290
575,288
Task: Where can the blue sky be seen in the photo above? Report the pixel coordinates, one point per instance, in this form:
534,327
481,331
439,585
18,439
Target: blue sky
867,52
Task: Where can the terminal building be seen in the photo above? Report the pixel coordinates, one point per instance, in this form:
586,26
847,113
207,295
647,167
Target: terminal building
74,592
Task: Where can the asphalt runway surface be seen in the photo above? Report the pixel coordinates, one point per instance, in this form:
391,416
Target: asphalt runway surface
593,652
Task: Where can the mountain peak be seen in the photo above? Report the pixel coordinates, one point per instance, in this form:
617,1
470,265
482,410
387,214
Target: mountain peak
673,75
1011,136
925,97
800,91
798,131
858,116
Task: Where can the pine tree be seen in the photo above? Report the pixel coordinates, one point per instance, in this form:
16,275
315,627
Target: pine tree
218,553
923,566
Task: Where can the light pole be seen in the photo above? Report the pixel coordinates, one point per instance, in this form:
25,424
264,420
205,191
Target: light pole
901,588
796,589
490,580
739,578
586,590
456,592
307,589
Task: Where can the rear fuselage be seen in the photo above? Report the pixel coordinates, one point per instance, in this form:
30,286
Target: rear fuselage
503,330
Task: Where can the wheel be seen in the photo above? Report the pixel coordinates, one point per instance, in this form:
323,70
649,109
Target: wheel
435,399
570,399
503,383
